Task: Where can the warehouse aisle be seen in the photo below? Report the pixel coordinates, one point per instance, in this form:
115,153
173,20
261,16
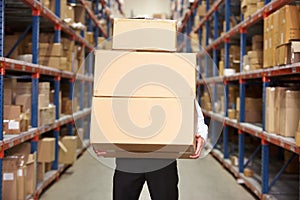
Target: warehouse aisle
199,179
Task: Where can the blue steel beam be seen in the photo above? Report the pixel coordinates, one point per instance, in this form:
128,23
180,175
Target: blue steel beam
19,40
241,151
96,28
266,83
207,29
108,20
35,35
57,33
278,175
250,159
199,63
71,96
265,166
225,142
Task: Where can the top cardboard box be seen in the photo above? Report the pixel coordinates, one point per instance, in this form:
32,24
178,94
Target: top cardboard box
144,74
144,34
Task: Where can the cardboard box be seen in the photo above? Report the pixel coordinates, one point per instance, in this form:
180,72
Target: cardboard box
60,100
40,171
68,156
289,113
11,127
146,125
46,150
25,101
47,115
130,34
66,13
144,74
13,178
7,96
23,88
289,23
79,14
253,104
22,149
279,95
49,61
31,174
288,53
270,110
43,100
21,180
11,112
48,49
9,42
69,106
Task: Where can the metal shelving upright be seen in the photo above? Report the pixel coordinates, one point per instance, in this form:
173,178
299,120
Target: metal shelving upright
262,189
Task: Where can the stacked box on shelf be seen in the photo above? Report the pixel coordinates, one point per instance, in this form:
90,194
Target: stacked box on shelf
253,60
234,59
30,161
283,106
66,11
67,151
248,7
14,173
122,142
14,121
280,29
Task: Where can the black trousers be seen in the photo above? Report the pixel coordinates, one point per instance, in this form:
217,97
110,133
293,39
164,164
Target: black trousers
162,183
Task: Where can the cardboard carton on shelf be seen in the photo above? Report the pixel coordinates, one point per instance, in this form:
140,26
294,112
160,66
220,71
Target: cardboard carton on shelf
130,34
31,174
288,53
169,132
11,112
67,152
289,23
113,78
46,115
289,113
46,150
48,49
270,110
40,171
14,186
8,95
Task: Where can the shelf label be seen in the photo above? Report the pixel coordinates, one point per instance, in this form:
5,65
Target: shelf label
13,125
8,176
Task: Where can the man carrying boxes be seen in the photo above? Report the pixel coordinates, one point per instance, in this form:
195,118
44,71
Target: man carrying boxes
144,111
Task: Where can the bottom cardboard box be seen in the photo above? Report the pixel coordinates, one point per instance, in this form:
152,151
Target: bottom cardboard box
185,154
125,124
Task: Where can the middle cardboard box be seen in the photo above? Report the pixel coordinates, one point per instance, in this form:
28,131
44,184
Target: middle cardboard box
144,103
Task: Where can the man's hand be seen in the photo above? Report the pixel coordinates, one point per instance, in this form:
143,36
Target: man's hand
99,153
199,145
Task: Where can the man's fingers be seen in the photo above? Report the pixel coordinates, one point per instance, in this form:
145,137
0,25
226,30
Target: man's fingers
199,144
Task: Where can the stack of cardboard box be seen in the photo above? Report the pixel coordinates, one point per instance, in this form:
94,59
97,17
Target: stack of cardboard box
283,108
280,30
248,7
19,172
253,109
143,104
46,155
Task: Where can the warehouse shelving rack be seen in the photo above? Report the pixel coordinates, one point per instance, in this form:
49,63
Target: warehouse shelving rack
261,190
8,65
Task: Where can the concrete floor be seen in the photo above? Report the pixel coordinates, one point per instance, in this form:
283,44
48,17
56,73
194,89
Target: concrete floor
199,179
